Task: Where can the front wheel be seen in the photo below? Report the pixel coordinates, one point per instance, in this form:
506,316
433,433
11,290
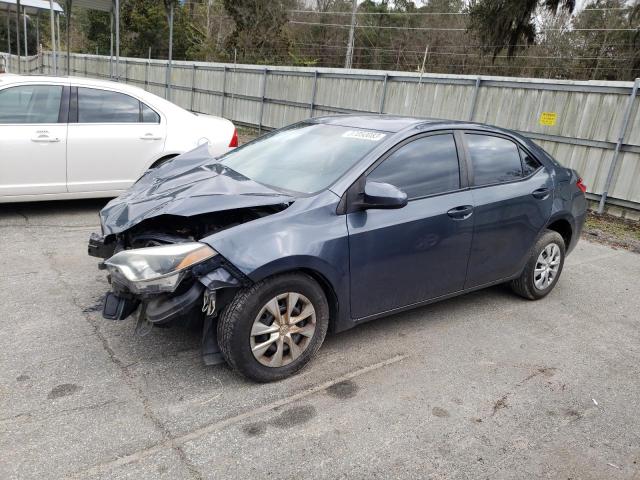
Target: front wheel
273,328
542,271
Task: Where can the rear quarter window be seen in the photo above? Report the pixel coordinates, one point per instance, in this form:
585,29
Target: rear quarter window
529,163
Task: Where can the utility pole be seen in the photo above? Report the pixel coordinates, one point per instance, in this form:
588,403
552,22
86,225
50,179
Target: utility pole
117,15
53,39
68,12
167,94
348,61
18,34
24,23
8,34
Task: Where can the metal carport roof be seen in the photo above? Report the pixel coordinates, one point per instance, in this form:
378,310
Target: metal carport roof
112,6
30,6
26,7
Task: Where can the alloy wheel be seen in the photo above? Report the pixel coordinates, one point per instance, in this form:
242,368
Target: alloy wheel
547,266
283,329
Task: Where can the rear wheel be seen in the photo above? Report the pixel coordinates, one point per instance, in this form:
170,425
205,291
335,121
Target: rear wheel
272,329
543,269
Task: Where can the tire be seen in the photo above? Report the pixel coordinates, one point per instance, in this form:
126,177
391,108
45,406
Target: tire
250,313
531,284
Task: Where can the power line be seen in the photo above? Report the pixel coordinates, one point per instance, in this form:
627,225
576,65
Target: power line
467,65
600,9
389,27
378,26
316,12
377,13
535,45
313,52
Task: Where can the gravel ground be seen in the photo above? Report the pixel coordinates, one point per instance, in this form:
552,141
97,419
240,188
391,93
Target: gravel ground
483,386
246,134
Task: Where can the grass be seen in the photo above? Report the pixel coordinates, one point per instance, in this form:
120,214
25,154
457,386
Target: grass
623,229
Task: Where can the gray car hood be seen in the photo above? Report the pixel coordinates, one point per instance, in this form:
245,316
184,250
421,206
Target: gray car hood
191,184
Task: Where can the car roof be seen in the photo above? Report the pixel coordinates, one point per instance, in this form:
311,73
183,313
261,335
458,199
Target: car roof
382,122
12,78
398,123
148,97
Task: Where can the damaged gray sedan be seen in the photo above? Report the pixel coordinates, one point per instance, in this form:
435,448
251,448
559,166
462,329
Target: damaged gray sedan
329,223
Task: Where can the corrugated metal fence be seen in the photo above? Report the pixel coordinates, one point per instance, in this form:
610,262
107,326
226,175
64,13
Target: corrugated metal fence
580,123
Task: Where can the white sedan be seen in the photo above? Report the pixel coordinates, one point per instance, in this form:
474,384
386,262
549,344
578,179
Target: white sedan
65,137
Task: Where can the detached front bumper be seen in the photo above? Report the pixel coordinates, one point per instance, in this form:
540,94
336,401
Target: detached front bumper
197,296
204,289
98,248
158,310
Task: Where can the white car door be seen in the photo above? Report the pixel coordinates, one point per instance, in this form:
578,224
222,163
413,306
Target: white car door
112,138
33,139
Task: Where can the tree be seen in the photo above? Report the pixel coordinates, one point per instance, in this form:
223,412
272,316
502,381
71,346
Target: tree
259,35
509,25
143,25
611,53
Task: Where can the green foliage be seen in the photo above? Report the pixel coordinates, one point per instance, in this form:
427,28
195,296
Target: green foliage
520,37
31,34
509,24
259,35
143,26
609,54
95,27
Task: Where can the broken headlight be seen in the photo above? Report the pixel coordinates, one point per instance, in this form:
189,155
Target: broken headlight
156,269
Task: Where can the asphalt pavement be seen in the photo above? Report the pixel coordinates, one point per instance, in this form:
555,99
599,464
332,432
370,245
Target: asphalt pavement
487,385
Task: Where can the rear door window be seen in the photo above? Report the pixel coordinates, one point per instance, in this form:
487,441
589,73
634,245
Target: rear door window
426,166
494,159
30,104
104,106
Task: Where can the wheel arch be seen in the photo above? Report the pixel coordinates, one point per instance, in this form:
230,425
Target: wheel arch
562,225
165,156
322,274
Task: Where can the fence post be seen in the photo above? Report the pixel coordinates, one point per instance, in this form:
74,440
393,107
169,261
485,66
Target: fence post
616,152
85,66
384,92
193,85
313,93
264,91
146,75
474,99
167,87
126,71
224,86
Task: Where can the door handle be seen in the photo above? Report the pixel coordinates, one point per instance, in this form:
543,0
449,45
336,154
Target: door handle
541,193
45,139
149,136
461,213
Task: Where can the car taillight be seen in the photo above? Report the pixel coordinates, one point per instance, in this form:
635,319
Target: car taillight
581,185
234,139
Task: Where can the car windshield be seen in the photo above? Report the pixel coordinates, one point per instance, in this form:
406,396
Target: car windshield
305,158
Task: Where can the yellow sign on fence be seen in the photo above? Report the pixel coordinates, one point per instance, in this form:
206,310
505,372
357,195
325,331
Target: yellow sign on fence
548,118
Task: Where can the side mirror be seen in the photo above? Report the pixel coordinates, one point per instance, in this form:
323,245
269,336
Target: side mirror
382,195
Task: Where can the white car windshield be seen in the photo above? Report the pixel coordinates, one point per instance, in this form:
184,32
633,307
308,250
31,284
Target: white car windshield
306,157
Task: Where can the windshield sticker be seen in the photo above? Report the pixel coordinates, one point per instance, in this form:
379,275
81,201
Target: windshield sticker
364,135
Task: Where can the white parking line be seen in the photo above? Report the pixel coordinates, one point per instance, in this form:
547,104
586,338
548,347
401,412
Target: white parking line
200,432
